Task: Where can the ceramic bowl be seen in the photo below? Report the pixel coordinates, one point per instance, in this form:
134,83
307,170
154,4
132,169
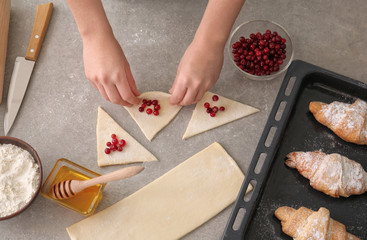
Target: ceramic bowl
27,147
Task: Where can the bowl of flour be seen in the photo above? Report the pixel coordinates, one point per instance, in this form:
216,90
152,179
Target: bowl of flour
20,176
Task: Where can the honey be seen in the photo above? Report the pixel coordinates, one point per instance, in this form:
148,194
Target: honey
86,201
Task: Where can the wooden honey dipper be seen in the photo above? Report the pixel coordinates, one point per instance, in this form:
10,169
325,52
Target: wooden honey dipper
69,188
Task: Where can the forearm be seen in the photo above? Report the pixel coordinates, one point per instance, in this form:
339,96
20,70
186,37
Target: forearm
90,18
217,21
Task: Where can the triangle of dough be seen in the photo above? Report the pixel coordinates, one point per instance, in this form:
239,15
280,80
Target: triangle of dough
201,121
131,153
150,125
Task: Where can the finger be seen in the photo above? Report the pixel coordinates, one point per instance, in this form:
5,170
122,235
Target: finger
189,97
131,81
177,95
199,96
115,97
126,93
101,90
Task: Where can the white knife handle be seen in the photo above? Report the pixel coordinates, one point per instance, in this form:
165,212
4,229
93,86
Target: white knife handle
40,25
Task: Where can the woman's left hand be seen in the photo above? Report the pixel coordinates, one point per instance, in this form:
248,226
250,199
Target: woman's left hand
197,72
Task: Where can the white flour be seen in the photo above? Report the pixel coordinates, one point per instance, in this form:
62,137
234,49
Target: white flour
19,177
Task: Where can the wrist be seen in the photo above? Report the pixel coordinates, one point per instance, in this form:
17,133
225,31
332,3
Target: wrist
209,40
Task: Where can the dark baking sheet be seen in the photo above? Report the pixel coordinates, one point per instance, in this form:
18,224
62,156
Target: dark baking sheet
293,128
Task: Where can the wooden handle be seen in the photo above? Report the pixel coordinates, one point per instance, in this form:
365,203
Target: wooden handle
4,29
40,25
113,176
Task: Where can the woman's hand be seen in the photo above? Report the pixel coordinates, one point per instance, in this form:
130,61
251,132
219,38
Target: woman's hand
197,72
107,68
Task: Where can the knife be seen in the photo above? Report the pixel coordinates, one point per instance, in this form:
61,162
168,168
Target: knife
23,66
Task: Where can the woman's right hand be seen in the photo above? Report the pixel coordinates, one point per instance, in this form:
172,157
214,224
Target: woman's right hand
107,68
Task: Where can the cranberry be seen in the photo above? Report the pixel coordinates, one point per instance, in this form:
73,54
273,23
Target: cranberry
212,114
206,105
115,141
149,102
215,97
141,109
261,54
149,110
108,144
119,149
156,112
155,102
107,151
144,101
215,109
209,110
113,147
113,136
143,105
157,107
221,109
122,143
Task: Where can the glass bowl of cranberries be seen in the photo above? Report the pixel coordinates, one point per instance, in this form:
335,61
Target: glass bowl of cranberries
261,49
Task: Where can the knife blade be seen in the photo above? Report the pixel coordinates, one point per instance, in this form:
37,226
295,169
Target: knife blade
23,66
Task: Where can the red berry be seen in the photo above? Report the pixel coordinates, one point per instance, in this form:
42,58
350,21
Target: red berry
206,105
157,107
212,114
221,109
149,102
113,147
107,151
149,111
143,105
119,149
156,112
115,141
141,109
155,102
215,98
209,110
144,101
215,109
113,135
108,144
122,143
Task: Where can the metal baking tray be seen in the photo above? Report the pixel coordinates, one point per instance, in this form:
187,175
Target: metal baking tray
291,127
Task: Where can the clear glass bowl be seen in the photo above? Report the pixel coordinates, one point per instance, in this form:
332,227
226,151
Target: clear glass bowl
86,201
245,29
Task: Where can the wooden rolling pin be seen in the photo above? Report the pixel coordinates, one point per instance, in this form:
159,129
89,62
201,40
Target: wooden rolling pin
4,29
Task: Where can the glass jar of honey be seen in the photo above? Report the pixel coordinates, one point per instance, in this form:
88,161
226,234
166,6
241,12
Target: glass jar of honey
86,201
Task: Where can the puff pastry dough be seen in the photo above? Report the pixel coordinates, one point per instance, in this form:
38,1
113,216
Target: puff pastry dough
171,206
133,151
201,121
150,125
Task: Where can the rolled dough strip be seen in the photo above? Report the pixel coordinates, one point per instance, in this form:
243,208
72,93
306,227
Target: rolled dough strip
171,206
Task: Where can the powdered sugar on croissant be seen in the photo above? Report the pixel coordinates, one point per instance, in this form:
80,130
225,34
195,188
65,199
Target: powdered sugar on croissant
332,174
305,224
348,121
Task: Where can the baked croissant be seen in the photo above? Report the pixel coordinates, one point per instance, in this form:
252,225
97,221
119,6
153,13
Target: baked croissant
305,224
348,121
332,174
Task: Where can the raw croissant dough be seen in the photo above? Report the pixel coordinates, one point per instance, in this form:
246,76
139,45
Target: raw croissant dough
305,224
201,121
332,174
348,121
151,124
132,152
171,206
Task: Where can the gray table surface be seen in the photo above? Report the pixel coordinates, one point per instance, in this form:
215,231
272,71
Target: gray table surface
59,112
